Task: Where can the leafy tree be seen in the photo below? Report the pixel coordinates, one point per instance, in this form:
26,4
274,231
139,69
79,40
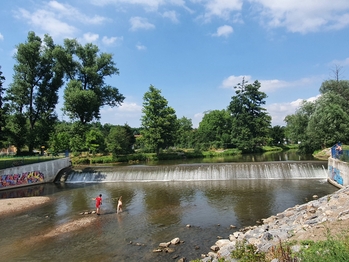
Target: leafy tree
297,123
33,95
340,87
159,121
250,121
277,135
215,128
185,132
86,68
2,110
329,122
95,140
60,138
120,140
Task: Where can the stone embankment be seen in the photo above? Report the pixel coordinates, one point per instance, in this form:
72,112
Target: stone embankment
310,221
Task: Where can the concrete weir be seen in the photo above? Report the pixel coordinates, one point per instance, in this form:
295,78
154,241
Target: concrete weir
38,173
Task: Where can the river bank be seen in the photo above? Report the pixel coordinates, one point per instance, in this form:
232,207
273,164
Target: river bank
315,220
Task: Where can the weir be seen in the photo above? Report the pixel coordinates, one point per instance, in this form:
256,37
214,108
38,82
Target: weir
195,172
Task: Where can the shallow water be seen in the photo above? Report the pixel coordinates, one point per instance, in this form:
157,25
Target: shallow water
154,212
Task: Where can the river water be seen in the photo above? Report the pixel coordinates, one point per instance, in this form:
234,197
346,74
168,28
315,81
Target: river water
154,212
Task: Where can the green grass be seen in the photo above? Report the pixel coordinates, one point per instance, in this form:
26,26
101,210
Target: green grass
13,161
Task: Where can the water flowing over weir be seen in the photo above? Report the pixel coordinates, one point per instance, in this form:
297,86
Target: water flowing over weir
195,172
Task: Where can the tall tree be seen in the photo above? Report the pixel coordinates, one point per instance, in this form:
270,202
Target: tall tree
329,122
251,122
159,121
2,110
120,140
86,68
215,128
185,133
36,81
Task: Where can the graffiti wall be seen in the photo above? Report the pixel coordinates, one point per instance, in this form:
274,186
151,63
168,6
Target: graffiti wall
335,175
27,178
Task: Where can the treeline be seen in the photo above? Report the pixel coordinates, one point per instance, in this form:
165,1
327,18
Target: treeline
28,119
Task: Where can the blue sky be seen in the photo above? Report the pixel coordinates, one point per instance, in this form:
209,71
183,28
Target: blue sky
194,51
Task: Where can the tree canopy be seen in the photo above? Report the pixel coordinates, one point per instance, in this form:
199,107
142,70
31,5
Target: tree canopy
159,121
250,121
86,68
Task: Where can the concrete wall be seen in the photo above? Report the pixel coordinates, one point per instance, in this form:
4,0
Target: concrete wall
338,172
37,173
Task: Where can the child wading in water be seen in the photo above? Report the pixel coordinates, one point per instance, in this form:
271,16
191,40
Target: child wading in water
119,206
98,204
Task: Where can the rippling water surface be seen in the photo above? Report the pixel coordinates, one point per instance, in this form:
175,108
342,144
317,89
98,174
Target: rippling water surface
154,212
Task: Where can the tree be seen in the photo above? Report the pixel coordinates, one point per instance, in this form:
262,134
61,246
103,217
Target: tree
120,140
297,123
86,68
2,110
215,128
185,132
34,91
250,121
159,121
329,122
277,134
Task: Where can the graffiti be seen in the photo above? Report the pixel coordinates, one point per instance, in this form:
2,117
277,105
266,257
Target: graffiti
335,175
21,179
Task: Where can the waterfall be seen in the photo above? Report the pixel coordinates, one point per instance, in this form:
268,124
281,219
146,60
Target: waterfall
195,172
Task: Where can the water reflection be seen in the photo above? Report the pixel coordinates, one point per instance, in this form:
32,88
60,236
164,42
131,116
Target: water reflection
154,212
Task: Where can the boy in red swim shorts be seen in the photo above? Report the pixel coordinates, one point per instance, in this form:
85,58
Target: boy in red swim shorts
98,203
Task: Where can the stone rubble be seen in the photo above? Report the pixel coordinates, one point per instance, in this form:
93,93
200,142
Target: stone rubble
283,226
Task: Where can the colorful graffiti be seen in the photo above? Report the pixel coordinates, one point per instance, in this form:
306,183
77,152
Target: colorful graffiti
335,174
26,178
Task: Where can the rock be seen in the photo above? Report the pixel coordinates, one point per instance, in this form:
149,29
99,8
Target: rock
175,241
165,244
214,248
182,259
157,250
188,226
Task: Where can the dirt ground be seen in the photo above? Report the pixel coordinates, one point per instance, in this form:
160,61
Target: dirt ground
18,205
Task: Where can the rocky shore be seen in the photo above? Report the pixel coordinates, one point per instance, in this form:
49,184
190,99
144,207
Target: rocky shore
310,221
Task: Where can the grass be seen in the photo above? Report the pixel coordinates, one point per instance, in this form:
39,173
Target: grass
13,161
333,249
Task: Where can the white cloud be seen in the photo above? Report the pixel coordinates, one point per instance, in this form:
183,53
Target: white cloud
140,23
278,111
172,15
304,16
112,40
232,80
344,62
53,18
128,112
149,5
1,37
141,47
268,85
220,8
89,37
224,30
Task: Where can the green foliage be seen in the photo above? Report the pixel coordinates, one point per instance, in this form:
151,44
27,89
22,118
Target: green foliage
34,90
120,140
215,129
329,250
250,121
87,91
247,253
159,121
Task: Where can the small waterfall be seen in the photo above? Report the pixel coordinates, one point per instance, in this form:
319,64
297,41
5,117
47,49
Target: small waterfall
195,172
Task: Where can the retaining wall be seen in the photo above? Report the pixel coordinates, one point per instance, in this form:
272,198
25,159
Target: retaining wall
338,172
37,173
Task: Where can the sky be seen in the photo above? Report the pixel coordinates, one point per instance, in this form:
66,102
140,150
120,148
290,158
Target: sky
194,51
